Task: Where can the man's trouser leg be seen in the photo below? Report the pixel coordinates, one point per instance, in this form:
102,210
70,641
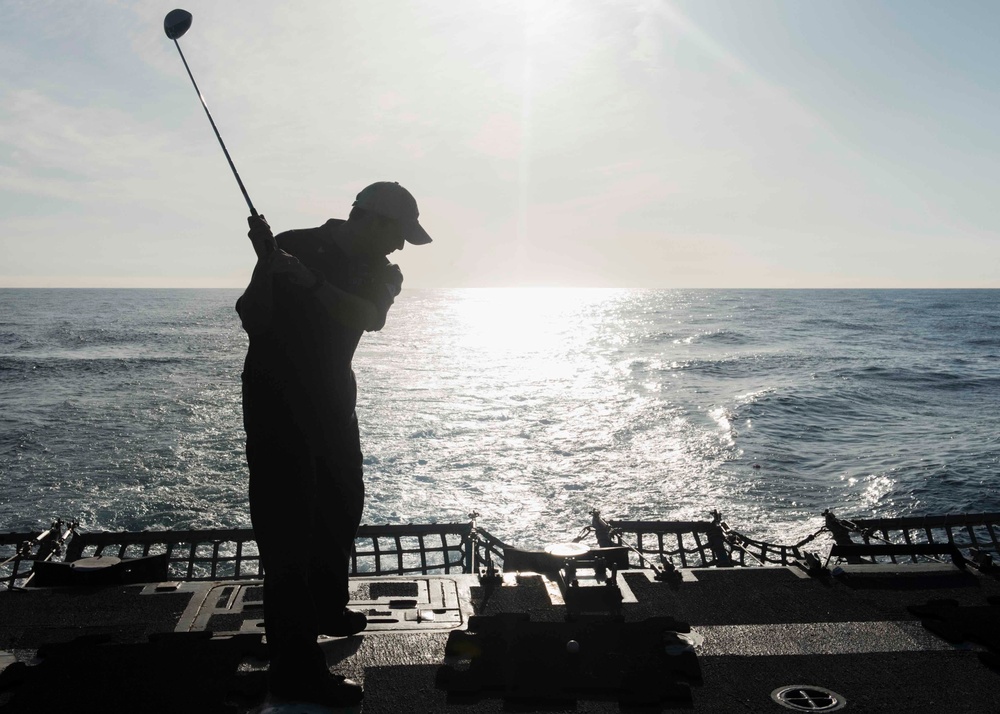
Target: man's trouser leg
305,505
340,498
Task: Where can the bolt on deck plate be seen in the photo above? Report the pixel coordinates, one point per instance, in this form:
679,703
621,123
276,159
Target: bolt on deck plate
808,698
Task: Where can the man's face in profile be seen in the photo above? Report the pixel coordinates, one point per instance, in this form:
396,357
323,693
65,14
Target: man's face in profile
384,235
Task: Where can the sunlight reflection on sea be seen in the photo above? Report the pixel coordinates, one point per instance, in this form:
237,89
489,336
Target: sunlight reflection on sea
536,406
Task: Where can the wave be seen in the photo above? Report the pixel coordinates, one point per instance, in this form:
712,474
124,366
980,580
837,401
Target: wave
80,365
751,364
791,411
842,324
720,337
916,379
984,341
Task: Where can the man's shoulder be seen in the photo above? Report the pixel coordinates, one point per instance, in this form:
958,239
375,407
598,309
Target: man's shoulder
302,242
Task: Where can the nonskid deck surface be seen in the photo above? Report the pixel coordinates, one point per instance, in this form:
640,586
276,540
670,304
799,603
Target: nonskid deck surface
884,638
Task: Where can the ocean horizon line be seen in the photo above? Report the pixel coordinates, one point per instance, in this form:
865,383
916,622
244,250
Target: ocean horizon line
524,287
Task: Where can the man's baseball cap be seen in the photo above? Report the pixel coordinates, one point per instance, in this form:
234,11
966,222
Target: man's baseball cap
389,199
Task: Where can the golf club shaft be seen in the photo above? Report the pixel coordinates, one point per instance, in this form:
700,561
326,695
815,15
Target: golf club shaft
267,246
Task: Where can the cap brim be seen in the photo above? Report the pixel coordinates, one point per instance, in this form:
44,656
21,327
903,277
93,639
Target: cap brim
417,235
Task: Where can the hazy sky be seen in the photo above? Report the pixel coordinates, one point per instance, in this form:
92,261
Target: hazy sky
659,143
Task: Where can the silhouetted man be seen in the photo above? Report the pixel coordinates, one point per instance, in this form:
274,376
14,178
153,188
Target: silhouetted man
305,310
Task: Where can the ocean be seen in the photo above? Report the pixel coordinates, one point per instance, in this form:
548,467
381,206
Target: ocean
532,407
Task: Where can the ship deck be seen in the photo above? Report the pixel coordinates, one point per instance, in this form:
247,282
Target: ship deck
885,638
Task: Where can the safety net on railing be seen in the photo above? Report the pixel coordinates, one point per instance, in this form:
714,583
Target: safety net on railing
974,536
693,544
449,548
216,554
232,554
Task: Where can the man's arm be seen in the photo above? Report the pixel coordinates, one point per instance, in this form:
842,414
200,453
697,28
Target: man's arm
347,309
256,306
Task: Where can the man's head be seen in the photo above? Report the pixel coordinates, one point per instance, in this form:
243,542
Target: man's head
387,213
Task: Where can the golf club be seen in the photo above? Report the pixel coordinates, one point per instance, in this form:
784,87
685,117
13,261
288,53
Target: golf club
175,24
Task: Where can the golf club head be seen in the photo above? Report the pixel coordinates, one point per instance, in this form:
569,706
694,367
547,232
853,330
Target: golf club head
176,23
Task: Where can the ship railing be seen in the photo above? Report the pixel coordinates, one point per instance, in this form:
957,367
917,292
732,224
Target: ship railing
681,543
692,544
488,552
957,537
232,554
449,548
211,554
424,549
751,551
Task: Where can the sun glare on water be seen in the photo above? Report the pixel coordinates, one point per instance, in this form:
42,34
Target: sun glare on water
527,321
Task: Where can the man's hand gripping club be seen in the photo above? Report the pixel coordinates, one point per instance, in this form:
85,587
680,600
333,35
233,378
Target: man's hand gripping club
256,307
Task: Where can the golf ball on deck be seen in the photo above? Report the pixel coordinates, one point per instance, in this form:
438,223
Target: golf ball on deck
572,646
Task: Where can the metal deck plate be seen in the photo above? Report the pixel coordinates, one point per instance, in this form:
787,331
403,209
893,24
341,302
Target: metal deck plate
418,603
404,604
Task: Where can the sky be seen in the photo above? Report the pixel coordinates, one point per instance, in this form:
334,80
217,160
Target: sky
564,143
